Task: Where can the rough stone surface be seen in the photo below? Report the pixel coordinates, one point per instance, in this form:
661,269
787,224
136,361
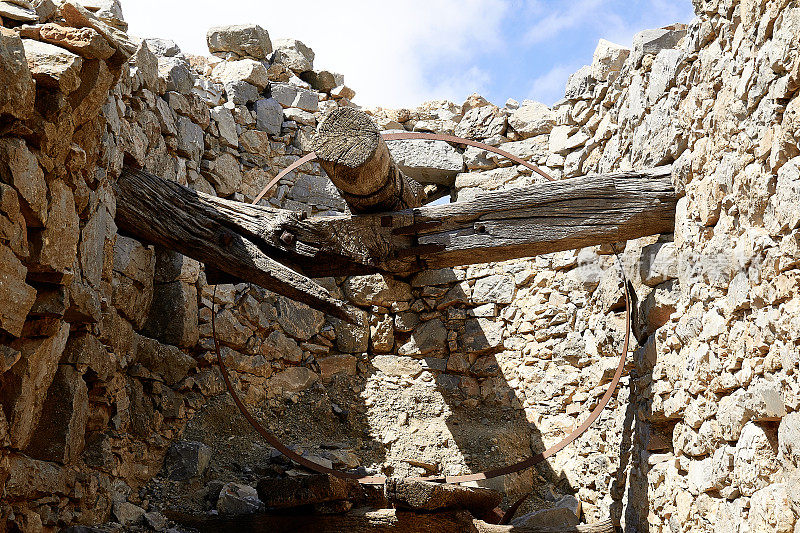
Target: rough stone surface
15,75
245,40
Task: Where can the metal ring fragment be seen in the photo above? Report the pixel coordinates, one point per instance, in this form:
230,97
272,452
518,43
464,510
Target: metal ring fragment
380,480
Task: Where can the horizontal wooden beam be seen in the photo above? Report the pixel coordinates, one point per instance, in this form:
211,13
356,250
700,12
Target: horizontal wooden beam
280,250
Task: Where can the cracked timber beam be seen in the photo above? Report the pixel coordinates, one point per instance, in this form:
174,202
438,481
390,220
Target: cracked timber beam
280,250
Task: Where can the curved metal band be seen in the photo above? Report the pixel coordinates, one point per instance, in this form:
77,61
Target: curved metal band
379,480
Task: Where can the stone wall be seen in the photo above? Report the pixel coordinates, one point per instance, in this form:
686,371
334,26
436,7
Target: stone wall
107,360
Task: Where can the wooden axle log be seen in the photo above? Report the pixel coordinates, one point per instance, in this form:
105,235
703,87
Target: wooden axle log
277,248
352,152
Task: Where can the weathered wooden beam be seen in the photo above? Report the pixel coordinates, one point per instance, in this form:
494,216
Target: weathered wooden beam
352,152
495,226
162,212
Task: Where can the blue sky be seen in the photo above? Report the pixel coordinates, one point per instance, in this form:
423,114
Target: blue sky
403,53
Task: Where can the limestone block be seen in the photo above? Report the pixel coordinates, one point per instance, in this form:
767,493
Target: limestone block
245,40
430,337
337,364
531,119
579,83
172,318
789,440
427,161
247,70
299,320
376,289
53,66
186,459
236,499
498,288
481,123
19,91
225,174
190,138
176,74
771,510
481,334
20,169
608,60
755,458
57,246
658,263
85,42
269,115
295,55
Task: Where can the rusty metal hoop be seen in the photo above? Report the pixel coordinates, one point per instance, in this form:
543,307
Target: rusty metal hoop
380,480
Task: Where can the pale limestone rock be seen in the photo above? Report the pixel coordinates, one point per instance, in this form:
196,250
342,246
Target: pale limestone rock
190,138
226,125
442,276
783,211
771,510
580,83
299,320
165,361
288,95
176,74
481,123
53,66
531,119
653,41
376,289
109,11
128,514
393,365
163,47
789,440
352,338
295,55
427,161
225,174
59,241
755,458
20,11
245,40
481,334
498,288
19,168
608,60
658,263
343,92
246,70
132,283
19,91
382,335
663,74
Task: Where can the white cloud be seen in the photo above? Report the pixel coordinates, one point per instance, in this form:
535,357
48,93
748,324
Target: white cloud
392,54
573,14
549,87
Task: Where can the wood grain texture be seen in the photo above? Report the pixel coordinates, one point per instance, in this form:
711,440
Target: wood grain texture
355,157
280,250
162,212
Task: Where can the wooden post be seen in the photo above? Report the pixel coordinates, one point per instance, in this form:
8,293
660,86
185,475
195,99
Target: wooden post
355,157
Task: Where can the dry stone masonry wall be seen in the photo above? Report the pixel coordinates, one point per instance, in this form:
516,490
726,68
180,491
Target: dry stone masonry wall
112,408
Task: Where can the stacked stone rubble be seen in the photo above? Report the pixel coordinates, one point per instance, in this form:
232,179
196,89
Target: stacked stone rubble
106,342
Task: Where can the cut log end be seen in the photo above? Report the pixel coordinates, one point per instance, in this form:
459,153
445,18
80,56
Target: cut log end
347,137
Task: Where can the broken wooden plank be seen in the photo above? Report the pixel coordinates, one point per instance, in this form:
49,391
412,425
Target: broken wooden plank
495,226
162,212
